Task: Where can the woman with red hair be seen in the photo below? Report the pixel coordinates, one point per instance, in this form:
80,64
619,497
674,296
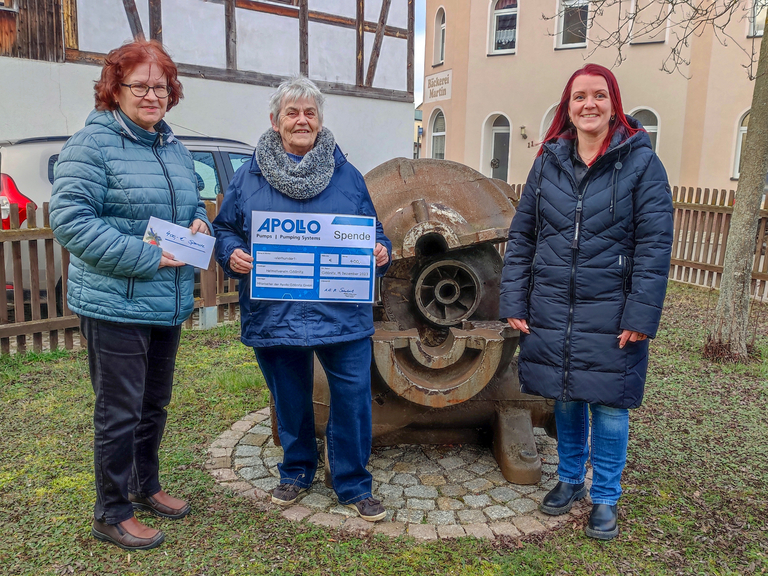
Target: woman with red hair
585,273
124,167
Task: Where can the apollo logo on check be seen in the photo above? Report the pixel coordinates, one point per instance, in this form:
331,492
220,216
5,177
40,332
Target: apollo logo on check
289,226
313,257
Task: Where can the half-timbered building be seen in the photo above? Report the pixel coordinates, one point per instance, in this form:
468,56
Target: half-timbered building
231,54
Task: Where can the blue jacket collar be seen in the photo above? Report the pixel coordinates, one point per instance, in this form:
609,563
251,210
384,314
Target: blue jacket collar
117,121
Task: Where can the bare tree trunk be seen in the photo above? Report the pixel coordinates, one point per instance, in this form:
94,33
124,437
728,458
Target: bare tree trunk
728,337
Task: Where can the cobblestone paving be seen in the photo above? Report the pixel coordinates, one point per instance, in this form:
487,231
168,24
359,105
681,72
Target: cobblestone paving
430,492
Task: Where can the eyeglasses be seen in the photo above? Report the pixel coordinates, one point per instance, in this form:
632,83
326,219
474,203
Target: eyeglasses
140,90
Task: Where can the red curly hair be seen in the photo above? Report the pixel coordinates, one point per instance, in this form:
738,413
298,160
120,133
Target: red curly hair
120,62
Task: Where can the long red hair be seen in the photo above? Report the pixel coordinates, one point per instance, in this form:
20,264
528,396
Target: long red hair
561,126
120,62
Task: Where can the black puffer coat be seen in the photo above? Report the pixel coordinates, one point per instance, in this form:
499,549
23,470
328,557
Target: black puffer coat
584,263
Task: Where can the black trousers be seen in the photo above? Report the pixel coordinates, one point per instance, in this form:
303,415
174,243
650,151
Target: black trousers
131,369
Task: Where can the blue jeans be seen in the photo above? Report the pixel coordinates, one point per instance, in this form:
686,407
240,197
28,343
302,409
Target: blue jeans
131,368
288,371
610,433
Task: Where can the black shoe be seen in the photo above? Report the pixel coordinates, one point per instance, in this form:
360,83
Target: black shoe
603,522
286,494
560,499
369,509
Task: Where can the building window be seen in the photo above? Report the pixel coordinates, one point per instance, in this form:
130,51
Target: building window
439,56
7,4
418,133
572,22
504,35
757,17
438,136
650,122
740,140
547,121
650,21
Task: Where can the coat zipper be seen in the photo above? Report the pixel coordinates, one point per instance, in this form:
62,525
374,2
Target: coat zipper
572,285
581,191
177,271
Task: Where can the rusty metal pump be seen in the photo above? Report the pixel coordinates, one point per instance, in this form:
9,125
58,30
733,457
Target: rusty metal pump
443,369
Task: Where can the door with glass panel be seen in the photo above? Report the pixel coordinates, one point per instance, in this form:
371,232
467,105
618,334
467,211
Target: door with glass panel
500,156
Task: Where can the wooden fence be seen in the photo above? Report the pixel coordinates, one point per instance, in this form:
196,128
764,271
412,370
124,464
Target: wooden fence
702,222
33,269
36,267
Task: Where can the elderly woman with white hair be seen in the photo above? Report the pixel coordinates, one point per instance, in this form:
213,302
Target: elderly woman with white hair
297,167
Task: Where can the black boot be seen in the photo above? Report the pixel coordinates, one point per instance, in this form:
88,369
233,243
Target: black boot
560,499
603,522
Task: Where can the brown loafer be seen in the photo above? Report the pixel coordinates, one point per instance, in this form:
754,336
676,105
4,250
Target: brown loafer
115,534
150,504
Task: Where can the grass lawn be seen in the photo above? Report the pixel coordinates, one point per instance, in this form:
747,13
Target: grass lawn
695,498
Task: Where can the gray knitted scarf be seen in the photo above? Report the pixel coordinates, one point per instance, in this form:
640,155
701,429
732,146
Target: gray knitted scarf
298,181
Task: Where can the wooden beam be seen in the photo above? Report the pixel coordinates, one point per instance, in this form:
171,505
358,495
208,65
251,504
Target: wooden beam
58,26
19,328
82,57
364,91
344,22
22,234
320,17
304,37
411,44
133,19
696,265
258,78
156,20
267,8
376,50
360,27
230,31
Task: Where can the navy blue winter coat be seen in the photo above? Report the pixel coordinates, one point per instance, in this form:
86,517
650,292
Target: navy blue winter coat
283,323
584,263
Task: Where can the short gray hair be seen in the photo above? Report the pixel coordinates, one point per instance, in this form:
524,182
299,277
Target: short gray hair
296,88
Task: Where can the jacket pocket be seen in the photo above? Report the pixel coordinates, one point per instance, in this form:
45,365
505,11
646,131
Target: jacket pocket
627,265
530,284
129,291
532,274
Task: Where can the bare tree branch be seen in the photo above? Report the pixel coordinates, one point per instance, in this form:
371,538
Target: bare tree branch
684,19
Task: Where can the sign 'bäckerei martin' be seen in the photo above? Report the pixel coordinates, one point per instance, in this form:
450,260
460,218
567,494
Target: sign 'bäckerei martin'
313,257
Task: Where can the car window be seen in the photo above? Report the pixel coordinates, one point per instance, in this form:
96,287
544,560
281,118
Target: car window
208,182
53,161
238,160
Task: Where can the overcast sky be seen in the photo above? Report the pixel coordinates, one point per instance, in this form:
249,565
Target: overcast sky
418,76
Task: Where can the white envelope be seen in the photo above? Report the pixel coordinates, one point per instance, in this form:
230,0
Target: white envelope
194,249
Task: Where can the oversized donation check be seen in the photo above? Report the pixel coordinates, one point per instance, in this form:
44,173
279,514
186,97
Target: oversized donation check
313,257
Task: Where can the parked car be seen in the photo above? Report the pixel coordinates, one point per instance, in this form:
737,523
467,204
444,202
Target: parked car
28,167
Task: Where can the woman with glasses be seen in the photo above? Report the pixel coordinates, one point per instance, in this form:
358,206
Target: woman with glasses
124,167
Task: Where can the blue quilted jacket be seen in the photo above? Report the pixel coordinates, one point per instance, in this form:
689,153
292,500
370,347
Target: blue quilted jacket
112,176
584,263
283,323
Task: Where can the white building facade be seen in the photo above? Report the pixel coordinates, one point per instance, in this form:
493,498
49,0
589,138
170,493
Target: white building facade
231,55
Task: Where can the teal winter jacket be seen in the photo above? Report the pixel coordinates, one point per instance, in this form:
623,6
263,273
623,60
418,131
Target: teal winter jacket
112,176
